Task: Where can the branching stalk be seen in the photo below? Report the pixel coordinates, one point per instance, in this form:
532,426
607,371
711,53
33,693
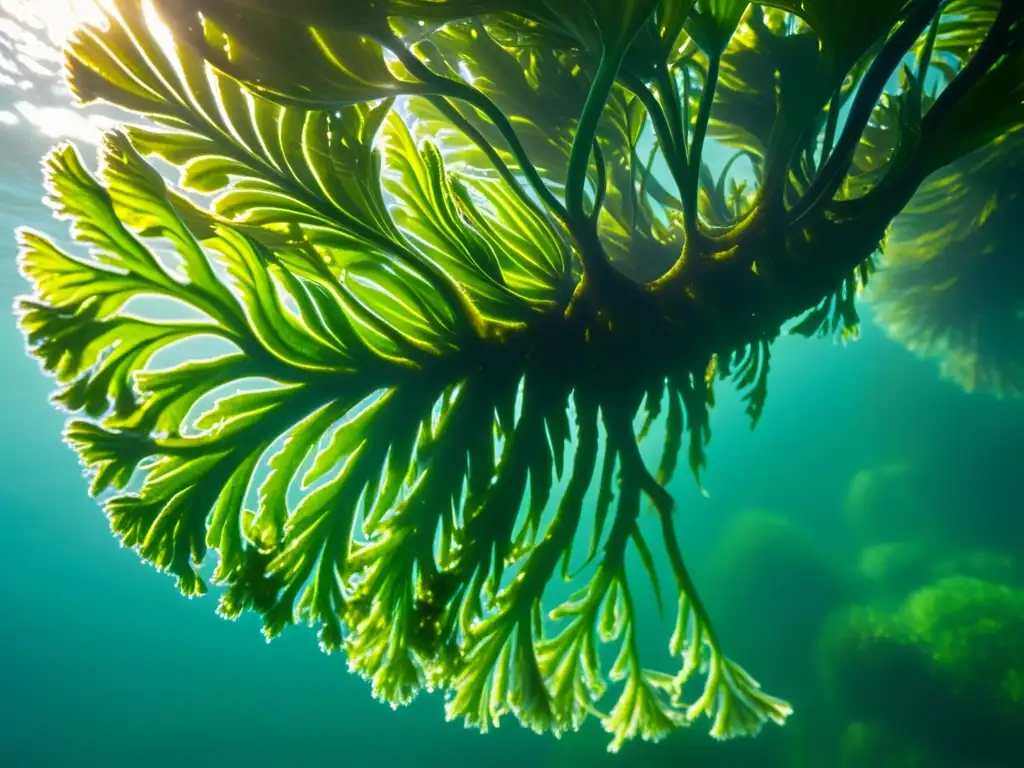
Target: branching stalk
830,178
586,133
674,152
602,182
684,582
467,93
691,190
991,49
831,124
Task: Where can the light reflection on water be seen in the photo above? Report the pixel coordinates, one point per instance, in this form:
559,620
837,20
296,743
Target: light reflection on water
36,109
33,98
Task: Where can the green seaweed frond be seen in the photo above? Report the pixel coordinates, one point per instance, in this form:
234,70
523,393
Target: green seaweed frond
952,283
303,361
378,350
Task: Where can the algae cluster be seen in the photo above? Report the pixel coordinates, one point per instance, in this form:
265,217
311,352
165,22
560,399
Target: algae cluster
430,294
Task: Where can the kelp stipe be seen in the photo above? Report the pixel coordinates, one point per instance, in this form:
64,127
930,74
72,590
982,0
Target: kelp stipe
444,280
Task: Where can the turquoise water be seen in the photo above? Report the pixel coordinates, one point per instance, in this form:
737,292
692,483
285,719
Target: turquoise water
103,663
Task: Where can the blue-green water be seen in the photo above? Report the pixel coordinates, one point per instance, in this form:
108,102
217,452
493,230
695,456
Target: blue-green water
103,663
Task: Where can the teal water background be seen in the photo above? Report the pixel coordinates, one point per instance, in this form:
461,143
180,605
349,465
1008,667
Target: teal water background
103,663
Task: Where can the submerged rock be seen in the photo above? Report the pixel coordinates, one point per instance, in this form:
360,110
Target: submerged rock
773,586
888,503
944,667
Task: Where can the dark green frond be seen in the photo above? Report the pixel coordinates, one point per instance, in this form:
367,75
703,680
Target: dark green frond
837,316
846,31
766,71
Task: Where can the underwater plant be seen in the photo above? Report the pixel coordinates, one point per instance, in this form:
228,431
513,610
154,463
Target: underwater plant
953,283
891,501
380,355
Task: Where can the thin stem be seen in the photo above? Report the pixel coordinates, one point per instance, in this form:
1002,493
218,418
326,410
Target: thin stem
684,582
586,133
558,538
988,53
627,511
674,108
640,197
924,63
652,185
635,665
634,198
830,178
687,116
834,107
645,180
583,229
662,129
459,90
602,182
691,190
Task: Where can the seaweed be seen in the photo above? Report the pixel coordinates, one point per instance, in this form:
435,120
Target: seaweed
952,283
426,283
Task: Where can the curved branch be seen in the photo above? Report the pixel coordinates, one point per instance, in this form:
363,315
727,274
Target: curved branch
467,93
583,228
831,124
662,129
690,191
602,183
586,135
988,53
830,178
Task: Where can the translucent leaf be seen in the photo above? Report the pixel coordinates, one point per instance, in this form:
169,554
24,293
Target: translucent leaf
330,61
284,168
715,22
950,283
461,236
